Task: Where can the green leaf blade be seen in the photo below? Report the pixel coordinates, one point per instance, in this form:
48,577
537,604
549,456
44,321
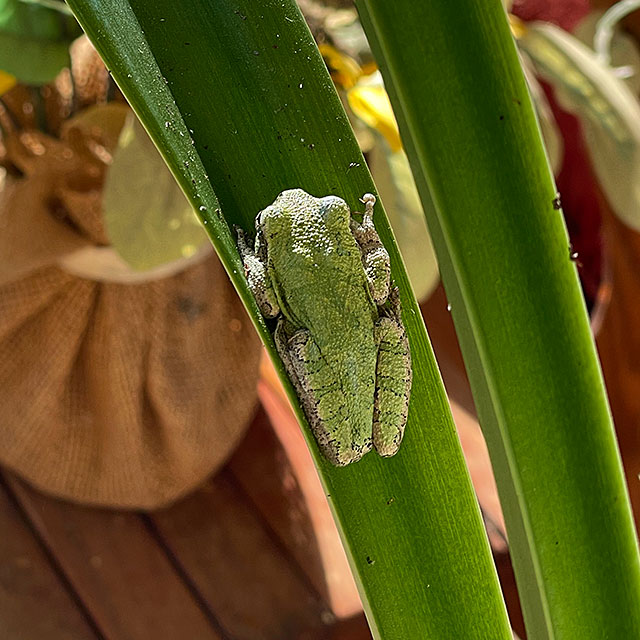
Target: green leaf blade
248,90
472,136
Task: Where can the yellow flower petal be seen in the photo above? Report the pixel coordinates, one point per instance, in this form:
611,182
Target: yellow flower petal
344,70
371,104
7,81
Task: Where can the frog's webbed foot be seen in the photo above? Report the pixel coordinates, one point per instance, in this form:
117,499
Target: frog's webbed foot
320,395
257,277
375,258
393,381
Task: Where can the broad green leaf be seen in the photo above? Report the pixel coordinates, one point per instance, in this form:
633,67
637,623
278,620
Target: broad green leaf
470,131
239,102
148,219
35,39
608,109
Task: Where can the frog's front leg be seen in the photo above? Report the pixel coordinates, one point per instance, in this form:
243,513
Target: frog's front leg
393,380
321,396
375,258
258,279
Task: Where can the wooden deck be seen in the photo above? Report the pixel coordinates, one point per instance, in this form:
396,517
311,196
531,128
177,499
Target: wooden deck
252,555
219,564
224,563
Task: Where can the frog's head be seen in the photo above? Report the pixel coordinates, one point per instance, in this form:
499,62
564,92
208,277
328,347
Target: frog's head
335,212
296,208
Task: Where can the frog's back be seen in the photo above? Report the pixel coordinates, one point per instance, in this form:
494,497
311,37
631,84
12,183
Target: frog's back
316,267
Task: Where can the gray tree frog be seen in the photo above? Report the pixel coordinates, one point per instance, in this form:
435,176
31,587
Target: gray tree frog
339,330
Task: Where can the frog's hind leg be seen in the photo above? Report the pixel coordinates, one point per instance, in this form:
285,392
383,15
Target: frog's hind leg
375,258
321,396
393,381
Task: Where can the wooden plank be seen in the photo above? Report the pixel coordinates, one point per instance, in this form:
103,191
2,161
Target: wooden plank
264,471
618,340
355,628
118,569
274,468
248,582
510,592
34,603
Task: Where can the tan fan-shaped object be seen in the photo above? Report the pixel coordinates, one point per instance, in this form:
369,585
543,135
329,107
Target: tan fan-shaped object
112,393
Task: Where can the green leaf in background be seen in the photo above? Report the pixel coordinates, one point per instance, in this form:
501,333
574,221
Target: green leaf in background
35,38
147,217
454,78
392,173
606,105
238,100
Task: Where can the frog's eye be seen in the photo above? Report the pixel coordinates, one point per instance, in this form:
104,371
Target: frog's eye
335,210
270,221
263,217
